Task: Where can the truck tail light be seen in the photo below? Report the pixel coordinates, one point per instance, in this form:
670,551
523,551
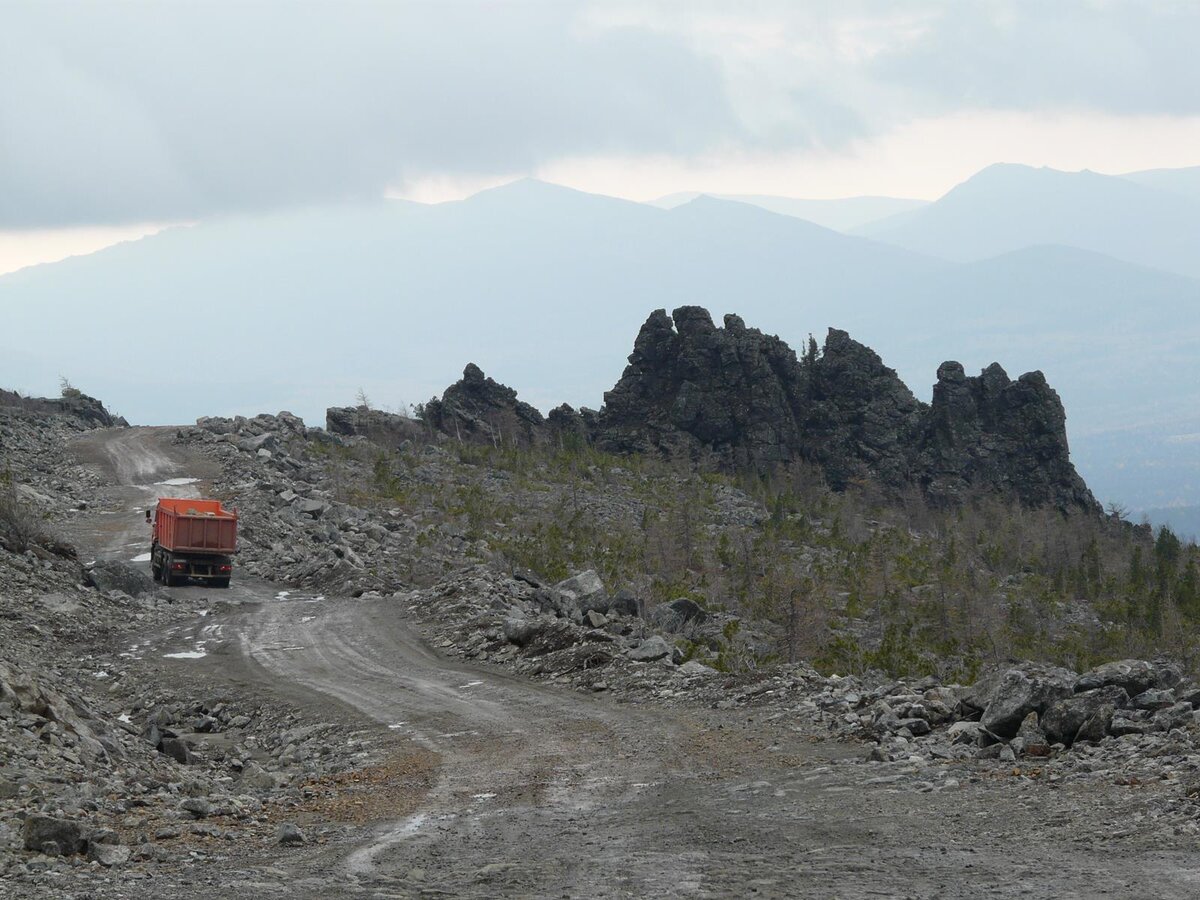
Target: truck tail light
179,566
226,568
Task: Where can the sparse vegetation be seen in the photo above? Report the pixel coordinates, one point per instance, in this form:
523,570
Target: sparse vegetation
851,580
19,526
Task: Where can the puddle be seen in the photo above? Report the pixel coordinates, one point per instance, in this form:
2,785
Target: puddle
306,619
482,796
177,482
469,684
141,557
186,654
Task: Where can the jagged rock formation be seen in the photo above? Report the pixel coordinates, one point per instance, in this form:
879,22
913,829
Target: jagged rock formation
745,398
477,408
741,399
480,410
1009,436
88,410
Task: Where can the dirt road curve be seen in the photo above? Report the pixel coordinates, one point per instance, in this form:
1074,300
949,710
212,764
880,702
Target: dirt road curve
540,791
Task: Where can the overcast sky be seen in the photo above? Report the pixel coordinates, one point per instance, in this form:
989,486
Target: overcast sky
120,113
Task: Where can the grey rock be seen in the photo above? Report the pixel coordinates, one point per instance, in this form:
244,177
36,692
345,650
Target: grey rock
1064,718
522,631
177,749
1155,698
112,575
1173,716
1133,675
313,508
197,807
1129,721
289,834
108,855
916,726
40,830
595,619
1020,691
651,649
585,584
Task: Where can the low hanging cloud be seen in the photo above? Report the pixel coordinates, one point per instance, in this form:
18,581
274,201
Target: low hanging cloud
164,110
114,113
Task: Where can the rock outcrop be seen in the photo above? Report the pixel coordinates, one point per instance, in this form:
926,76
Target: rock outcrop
746,400
88,411
992,432
478,409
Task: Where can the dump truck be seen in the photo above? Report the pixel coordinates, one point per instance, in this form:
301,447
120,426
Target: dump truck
192,539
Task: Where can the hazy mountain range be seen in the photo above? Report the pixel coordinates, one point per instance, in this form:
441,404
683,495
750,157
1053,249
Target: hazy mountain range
545,287
842,214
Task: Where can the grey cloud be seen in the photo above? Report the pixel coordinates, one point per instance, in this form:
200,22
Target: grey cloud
167,111
1068,55
161,110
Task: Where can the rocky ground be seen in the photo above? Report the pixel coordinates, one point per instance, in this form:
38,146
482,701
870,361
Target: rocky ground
379,707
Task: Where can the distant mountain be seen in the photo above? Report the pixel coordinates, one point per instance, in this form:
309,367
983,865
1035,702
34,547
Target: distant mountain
840,215
1185,182
1010,207
544,287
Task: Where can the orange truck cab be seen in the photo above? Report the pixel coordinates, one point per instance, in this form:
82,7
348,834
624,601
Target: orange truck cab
193,539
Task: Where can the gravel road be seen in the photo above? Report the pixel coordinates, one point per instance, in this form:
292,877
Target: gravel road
522,789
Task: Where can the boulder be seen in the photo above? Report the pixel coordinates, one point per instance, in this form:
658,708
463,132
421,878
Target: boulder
1020,691
1031,738
1133,675
651,649
1155,698
313,508
521,631
177,749
196,807
112,575
289,834
1173,716
582,585
1129,721
108,855
41,830
1065,718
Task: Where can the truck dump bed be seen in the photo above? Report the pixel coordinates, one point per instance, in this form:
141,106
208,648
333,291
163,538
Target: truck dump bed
195,526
